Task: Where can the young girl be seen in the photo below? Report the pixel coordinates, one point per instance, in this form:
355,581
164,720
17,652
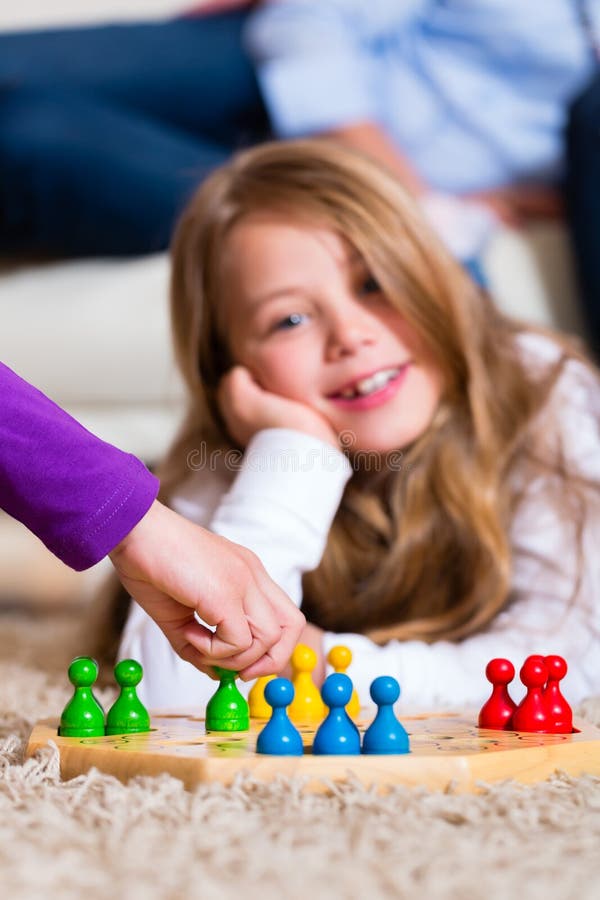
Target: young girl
419,472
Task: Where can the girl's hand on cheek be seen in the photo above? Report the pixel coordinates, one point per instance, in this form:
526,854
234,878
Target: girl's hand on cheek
247,408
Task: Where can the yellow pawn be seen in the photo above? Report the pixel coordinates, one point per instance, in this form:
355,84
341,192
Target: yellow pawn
259,708
340,658
307,706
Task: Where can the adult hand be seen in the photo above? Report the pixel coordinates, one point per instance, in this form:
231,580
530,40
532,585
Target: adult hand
515,205
247,408
173,569
371,139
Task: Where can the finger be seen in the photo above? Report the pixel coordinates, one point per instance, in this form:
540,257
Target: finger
247,629
275,660
275,594
264,666
243,380
229,631
232,635
191,655
209,644
262,638
265,630
236,402
282,651
236,387
225,389
271,649
290,619
261,645
179,624
288,616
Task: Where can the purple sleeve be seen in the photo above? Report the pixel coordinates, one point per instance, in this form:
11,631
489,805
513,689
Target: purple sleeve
79,495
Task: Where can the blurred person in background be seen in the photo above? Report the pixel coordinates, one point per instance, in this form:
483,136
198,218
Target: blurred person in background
105,131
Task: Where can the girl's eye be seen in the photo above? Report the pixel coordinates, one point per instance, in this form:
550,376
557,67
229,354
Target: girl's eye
289,322
369,285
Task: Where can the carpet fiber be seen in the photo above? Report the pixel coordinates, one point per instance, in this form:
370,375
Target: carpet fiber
151,839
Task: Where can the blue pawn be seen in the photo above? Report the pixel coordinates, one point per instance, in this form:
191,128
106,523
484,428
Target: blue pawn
385,734
337,734
279,737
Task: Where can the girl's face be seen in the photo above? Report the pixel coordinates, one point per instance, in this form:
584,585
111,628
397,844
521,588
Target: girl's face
304,315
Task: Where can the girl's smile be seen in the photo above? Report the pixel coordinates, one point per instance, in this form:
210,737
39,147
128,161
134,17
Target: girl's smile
307,319
370,391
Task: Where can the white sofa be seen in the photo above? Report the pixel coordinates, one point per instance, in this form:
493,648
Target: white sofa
94,335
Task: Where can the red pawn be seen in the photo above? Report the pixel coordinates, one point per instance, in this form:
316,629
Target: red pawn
530,714
497,712
560,714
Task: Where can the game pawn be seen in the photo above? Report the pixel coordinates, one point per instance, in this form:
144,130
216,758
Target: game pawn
385,734
82,716
128,715
337,734
227,709
259,708
279,737
340,658
307,706
530,714
559,712
497,711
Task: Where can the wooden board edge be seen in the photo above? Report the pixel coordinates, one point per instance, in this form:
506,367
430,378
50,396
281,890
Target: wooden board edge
463,772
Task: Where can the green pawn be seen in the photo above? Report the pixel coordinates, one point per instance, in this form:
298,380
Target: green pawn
128,715
82,716
227,710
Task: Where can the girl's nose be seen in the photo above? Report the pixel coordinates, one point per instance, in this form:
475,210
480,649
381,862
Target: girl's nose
348,333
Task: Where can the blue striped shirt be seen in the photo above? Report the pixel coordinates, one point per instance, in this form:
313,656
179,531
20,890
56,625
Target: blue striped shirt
474,92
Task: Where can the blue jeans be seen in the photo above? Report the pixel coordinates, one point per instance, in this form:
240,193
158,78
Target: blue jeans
583,202
106,131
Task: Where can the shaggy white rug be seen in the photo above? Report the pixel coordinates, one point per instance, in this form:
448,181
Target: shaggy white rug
93,837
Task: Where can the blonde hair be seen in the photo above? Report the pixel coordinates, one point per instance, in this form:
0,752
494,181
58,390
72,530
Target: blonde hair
422,552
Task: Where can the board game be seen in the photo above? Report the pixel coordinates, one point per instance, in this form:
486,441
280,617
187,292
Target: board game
446,749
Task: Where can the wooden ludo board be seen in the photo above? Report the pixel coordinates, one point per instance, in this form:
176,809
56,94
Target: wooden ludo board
446,748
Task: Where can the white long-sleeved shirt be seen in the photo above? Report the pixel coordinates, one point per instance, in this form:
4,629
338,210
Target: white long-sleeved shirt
281,502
